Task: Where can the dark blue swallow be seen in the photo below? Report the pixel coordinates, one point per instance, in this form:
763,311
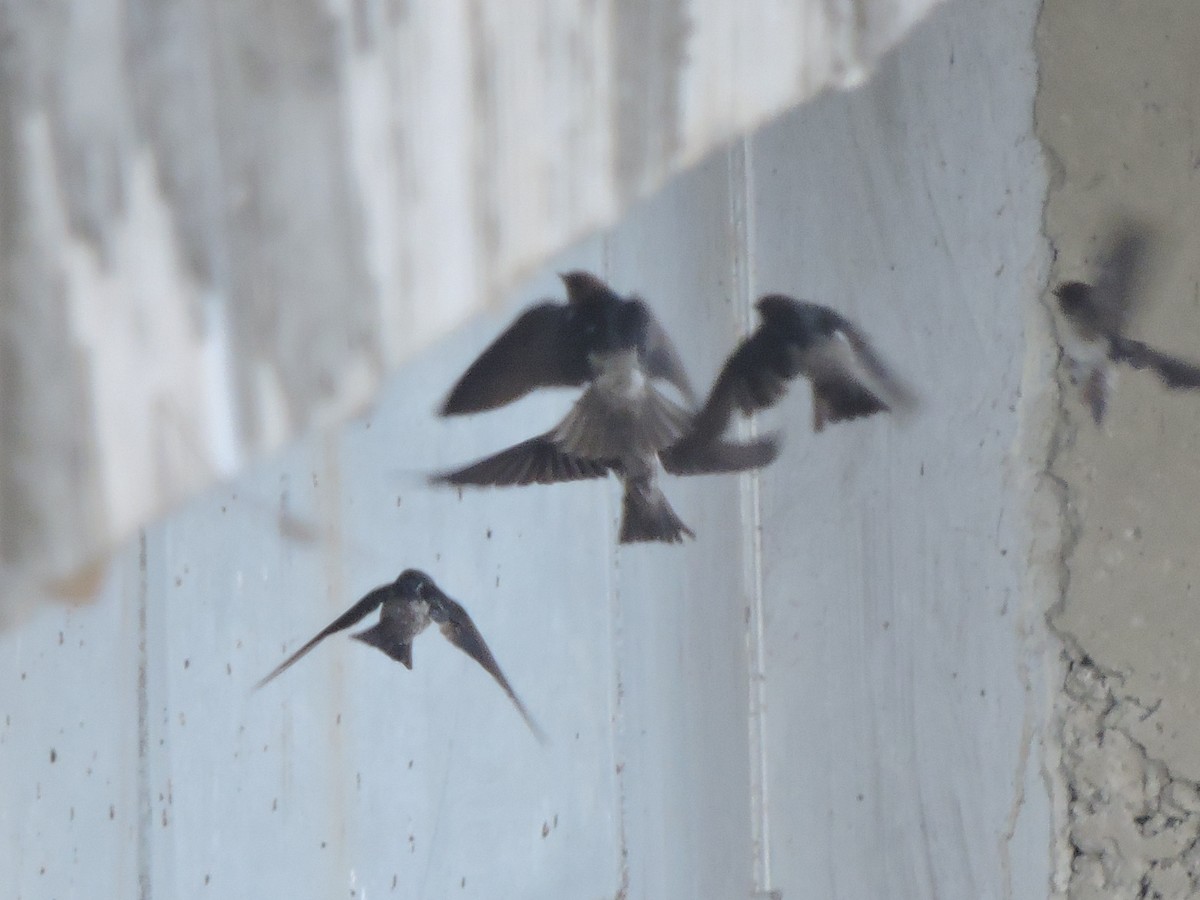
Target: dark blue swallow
623,422
407,607
798,339
1097,315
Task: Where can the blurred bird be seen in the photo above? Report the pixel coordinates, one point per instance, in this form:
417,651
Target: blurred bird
622,422
1097,314
409,605
796,339
551,345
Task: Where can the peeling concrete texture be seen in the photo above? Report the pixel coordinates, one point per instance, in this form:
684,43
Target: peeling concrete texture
1117,110
221,224
1135,827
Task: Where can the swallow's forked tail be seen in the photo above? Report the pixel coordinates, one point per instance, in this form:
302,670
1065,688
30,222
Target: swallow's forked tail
647,516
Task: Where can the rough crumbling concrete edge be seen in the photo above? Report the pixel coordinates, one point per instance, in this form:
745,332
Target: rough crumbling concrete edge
1123,824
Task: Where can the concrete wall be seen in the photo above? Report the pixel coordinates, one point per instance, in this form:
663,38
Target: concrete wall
223,224
1118,114
843,688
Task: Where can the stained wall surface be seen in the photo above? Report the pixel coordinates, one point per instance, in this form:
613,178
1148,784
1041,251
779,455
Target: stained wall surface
222,225
1118,111
834,691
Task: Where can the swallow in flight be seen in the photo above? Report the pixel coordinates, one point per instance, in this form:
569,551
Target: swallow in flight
407,607
624,423
794,339
1097,314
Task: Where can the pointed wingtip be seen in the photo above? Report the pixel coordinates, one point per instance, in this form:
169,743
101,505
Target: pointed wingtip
258,685
905,403
1095,394
454,404
536,729
768,446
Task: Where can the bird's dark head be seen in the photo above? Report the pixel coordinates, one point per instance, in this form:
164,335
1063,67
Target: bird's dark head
614,327
1073,296
604,319
796,319
413,584
629,325
776,307
584,287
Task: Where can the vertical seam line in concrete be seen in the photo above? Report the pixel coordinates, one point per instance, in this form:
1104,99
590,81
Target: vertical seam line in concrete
329,504
1036,405
1054,771
741,181
144,813
617,626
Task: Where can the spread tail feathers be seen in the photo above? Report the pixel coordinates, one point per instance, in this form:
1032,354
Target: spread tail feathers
647,516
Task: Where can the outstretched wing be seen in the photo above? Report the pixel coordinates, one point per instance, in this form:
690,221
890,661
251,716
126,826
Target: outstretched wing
662,361
1122,265
691,457
1174,372
352,616
460,630
535,461
539,349
755,376
889,385
851,380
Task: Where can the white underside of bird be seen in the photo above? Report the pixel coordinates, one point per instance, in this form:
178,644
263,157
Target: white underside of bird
621,414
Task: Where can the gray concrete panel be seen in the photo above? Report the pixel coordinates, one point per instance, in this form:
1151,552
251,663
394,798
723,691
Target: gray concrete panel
224,223
681,611
1118,111
893,553
842,704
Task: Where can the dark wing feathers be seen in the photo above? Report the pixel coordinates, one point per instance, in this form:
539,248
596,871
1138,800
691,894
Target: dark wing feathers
1174,372
662,361
849,379
460,630
755,376
899,397
839,399
352,616
535,461
710,457
537,350
1121,269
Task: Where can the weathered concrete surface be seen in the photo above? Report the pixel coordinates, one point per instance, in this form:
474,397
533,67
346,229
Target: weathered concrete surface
1117,109
903,709
835,691
220,224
